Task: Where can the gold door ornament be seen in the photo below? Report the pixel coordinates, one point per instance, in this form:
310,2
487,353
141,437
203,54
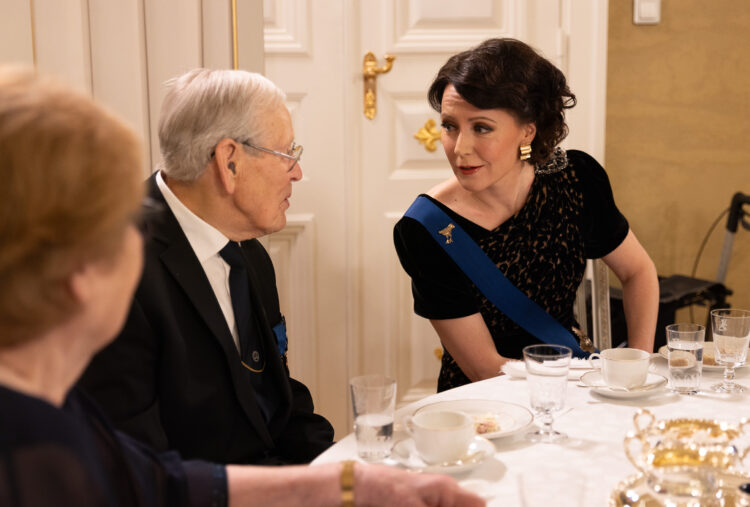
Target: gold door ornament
428,135
370,71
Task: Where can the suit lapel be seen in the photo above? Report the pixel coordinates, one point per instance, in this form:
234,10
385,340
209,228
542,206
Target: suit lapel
275,368
180,260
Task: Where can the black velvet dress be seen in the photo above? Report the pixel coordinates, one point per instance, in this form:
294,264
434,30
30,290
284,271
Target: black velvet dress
570,215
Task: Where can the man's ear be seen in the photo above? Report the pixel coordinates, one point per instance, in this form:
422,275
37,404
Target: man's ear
226,164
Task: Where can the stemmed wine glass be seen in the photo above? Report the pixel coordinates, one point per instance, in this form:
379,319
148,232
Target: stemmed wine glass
731,334
547,374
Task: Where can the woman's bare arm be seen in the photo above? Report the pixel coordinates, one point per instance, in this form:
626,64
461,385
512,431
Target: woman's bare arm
469,342
640,290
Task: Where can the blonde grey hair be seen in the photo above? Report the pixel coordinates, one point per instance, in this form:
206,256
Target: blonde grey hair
204,106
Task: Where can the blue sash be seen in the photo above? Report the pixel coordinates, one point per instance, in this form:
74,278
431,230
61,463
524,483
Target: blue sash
488,278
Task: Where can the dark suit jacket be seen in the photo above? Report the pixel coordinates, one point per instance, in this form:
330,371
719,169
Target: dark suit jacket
173,377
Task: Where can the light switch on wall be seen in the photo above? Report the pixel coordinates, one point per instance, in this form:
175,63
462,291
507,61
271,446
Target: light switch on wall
646,12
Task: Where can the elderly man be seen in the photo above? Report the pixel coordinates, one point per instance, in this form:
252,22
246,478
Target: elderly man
200,366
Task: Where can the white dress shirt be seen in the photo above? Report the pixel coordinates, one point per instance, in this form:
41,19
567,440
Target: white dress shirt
206,242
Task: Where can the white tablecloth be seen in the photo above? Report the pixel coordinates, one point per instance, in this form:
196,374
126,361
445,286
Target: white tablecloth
596,427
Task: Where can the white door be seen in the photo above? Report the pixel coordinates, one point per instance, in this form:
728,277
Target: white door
348,302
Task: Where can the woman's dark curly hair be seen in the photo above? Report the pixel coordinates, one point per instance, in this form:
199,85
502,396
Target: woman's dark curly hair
508,74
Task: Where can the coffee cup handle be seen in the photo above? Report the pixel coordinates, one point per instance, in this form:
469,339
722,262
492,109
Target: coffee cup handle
591,359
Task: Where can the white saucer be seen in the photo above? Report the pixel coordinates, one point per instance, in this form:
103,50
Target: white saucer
405,454
593,379
511,418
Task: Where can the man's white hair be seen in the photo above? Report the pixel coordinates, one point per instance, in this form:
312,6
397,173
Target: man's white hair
204,106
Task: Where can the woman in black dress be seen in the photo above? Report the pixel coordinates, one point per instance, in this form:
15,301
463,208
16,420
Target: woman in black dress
537,211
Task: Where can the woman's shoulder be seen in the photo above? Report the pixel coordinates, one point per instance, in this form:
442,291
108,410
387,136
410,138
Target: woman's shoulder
588,174
579,156
584,165
415,245
440,288
408,225
445,191
604,226
409,233
35,421
43,439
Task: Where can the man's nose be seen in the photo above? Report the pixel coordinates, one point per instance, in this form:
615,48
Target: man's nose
296,172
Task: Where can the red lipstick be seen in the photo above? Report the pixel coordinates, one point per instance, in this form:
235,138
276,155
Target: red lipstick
469,169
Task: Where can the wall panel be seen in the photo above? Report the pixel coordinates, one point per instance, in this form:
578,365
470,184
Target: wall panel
678,130
62,39
174,44
16,42
118,57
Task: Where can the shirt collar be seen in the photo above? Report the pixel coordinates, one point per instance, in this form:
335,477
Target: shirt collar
204,238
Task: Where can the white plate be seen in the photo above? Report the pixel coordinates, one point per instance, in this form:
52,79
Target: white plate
593,379
517,369
664,352
510,417
405,454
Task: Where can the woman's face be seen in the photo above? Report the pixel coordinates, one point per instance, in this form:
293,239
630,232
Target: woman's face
482,145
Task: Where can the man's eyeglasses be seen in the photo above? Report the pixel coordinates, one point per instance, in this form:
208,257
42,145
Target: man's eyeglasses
294,153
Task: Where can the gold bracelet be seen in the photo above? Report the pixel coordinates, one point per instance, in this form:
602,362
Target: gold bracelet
347,483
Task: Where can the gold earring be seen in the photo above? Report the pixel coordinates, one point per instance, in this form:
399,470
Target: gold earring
525,152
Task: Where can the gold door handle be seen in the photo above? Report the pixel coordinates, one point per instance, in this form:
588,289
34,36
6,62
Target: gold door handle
428,135
370,71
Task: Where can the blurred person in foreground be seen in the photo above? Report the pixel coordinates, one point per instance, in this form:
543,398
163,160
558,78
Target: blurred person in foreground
536,211
70,259
200,365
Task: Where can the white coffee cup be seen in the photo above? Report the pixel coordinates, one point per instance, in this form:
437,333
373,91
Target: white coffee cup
623,367
441,436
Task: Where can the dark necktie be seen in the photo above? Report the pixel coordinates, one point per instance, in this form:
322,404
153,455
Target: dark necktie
251,350
239,289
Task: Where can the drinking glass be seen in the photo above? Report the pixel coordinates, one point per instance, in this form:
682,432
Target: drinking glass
731,333
685,346
373,401
547,375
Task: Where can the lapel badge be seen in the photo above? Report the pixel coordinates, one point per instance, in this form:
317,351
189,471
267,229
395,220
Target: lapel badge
448,233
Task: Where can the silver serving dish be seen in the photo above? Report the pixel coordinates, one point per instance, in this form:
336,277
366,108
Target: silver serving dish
685,458
635,491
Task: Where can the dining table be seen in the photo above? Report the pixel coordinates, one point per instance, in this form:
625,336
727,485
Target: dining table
595,421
